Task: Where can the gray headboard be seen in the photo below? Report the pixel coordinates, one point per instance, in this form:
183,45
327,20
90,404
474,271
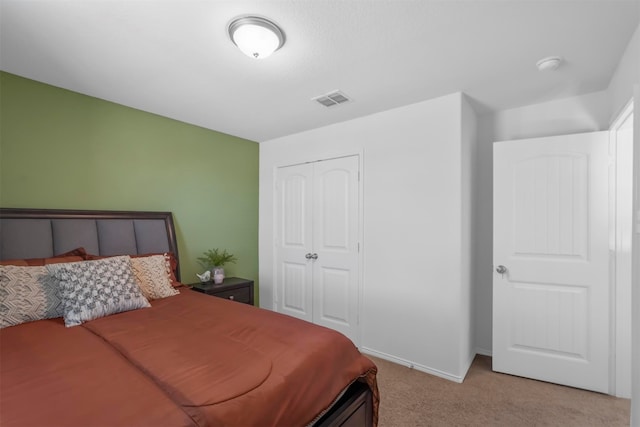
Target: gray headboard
42,233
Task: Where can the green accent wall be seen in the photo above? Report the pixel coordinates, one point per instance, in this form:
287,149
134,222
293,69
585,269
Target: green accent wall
63,150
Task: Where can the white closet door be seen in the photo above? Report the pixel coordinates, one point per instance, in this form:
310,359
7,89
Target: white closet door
317,250
335,241
294,241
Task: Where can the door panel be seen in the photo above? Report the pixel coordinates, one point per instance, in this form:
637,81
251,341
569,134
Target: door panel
550,319
333,306
294,241
335,240
295,289
551,307
550,206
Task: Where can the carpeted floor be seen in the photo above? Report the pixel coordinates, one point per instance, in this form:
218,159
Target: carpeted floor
485,398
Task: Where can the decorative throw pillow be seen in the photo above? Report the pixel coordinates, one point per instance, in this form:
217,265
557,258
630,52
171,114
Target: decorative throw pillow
93,289
172,265
170,259
27,294
152,276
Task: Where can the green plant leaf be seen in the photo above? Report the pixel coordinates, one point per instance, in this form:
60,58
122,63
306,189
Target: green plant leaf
216,258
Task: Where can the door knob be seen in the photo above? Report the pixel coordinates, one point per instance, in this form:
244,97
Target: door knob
308,256
314,256
501,269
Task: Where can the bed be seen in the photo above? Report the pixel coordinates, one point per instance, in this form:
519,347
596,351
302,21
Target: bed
186,359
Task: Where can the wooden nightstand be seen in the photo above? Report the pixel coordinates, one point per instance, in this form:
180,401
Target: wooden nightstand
233,288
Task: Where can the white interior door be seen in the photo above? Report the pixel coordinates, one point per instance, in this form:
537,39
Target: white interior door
551,228
317,248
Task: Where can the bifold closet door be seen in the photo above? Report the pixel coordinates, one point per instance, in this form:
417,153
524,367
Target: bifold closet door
294,235
317,245
335,241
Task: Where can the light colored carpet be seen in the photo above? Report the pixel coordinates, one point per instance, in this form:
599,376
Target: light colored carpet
485,398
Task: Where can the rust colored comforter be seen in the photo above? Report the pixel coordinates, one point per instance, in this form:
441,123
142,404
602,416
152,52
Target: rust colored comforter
56,376
213,362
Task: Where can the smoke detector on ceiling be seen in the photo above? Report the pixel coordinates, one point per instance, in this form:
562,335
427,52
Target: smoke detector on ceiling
549,63
332,99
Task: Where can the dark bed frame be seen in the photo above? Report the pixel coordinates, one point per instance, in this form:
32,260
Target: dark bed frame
42,233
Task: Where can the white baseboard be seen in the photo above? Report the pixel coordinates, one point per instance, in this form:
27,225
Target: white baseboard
413,365
483,352
468,366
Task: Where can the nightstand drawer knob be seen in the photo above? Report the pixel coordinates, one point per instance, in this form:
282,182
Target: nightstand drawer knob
231,297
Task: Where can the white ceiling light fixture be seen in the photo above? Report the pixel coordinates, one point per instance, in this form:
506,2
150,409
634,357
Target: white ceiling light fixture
549,63
256,37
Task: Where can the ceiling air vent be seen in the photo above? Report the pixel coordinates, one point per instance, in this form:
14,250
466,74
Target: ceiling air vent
333,98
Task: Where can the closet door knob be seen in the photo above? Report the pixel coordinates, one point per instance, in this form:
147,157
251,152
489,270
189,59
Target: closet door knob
308,256
314,256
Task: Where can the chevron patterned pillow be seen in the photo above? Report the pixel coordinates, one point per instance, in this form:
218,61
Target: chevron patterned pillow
27,294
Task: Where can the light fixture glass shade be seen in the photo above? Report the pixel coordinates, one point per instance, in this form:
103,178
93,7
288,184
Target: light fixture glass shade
549,63
256,37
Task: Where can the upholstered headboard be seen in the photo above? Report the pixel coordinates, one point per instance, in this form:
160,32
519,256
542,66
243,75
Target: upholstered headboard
42,233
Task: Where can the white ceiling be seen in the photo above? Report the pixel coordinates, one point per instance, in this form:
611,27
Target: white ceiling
174,57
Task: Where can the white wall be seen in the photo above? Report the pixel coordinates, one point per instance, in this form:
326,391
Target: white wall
469,135
398,156
412,308
626,75
566,116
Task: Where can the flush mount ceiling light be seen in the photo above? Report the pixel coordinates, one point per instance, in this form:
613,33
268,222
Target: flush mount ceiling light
549,63
256,37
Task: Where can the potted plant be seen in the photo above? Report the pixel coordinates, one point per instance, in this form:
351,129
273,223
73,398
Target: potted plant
215,260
